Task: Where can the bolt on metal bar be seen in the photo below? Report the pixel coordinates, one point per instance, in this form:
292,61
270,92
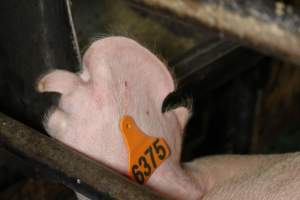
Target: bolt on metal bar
271,27
68,166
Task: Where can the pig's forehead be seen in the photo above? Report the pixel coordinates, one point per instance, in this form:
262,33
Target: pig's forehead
120,53
118,48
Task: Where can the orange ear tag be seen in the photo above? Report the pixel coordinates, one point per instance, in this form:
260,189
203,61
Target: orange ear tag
146,153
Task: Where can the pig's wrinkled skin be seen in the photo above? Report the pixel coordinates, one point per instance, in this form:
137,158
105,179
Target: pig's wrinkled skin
120,77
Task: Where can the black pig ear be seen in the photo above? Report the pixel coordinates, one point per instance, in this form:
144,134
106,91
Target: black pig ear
175,100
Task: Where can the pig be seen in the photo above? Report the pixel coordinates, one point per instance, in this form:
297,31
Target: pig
119,77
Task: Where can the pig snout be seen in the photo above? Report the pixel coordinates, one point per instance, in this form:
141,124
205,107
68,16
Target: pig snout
119,77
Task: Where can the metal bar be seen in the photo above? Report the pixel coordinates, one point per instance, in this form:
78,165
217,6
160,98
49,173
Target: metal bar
199,57
270,27
73,169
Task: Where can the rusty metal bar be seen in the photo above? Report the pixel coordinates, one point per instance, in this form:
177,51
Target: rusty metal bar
269,26
73,169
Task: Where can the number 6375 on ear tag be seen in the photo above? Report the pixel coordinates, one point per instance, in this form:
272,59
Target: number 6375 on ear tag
146,153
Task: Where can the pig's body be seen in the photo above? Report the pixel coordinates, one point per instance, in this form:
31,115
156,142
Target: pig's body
267,177
120,78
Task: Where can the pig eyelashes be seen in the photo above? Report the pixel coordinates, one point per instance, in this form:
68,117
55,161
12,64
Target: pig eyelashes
60,81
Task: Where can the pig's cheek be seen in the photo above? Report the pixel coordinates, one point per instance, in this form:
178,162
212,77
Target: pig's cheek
70,104
75,103
182,115
173,134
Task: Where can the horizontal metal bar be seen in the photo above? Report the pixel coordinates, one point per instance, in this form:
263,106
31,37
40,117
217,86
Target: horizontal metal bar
199,57
271,27
211,67
68,166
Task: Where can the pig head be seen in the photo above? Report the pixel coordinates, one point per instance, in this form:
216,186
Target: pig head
119,77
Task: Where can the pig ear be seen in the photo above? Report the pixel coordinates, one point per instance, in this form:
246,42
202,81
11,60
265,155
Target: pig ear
60,81
183,115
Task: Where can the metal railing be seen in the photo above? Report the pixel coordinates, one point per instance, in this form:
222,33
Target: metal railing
271,27
66,165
